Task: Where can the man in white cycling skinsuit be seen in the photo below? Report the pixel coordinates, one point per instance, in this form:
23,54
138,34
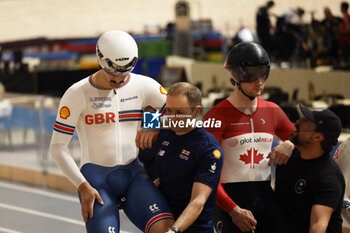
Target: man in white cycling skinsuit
342,158
106,110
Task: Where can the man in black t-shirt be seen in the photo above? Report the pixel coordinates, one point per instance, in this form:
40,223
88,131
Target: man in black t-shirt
310,187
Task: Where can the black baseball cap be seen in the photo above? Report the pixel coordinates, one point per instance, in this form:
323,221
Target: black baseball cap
327,122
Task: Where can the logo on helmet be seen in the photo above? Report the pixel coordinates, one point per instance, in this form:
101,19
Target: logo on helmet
99,54
122,59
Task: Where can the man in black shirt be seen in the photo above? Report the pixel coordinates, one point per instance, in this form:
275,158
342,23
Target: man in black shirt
310,187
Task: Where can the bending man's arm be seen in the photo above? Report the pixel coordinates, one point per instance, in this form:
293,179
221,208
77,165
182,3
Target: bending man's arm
154,99
71,106
68,166
63,159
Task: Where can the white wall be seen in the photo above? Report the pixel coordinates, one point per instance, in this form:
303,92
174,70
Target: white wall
24,19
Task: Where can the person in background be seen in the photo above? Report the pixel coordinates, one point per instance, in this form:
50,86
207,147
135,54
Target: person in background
245,198
331,24
106,110
310,187
263,26
188,161
344,37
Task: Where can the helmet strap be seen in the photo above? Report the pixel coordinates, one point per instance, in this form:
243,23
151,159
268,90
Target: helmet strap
241,89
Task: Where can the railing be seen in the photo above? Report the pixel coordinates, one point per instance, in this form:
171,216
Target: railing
26,124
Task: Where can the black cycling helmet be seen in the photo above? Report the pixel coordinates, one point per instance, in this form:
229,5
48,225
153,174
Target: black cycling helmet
247,62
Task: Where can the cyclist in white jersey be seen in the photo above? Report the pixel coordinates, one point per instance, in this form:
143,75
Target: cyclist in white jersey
106,111
342,158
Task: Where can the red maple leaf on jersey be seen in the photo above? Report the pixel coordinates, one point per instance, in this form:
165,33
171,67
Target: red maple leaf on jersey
247,158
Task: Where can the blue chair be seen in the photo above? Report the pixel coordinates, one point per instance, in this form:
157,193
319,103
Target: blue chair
25,118
49,119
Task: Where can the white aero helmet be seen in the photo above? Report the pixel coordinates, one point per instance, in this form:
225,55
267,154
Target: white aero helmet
116,52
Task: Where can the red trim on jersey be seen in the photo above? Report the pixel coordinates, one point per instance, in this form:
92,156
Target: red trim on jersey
57,126
156,219
94,85
126,81
130,115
